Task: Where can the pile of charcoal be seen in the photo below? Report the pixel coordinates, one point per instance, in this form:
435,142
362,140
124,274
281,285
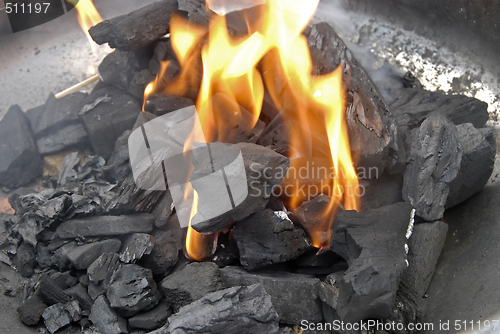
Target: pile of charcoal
101,252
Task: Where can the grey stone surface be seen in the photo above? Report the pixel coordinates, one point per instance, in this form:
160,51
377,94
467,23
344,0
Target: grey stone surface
106,226
269,237
434,162
132,289
232,311
81,257
136,245
193,282
152,319
294,296
105,319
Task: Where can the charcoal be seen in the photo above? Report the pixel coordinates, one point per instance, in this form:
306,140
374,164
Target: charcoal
50,292
64,280
164,254
119,67
135,245
31,310
100,272
60,315
264,170
269,237
43,256
234,310
106,226
163,210
373,243
478,160
20,161
416,105
197,11
58,126
25,259
68,168
81,257
105,319
106,114
372,129
80,294
294,296
152,319
227,252
60,258
328,290
310,215
118,165
323,262
160,105
436,154
381,191
139,82
136,29
195,281
132,289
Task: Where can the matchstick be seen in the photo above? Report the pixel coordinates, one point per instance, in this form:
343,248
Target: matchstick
76,87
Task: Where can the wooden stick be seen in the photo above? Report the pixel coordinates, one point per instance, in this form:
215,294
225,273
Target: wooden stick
77,87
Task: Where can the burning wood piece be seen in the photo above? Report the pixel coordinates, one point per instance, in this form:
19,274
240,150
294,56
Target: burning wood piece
195,281
264,170
106,226
105,319
478,161
100,273
292,308
232,311
20,162
108,108
136,29
132,289
269,237
152,319
434,162
81,257
373,243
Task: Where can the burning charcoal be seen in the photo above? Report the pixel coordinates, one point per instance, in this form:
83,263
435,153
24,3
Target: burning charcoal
58,126
269,237
414,106
132,289
160,105
195,281
152,319
373,243
294,296
264,171
20,161
230,311
60,315
105,318
139,82
81,257
311,216
118,166
80,294
136,29
434,162
100,272
106,226
25,259
372,128
478,160
164,254
135,246
31,310
106,114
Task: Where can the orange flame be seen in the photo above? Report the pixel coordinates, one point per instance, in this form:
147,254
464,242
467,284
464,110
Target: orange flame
234,71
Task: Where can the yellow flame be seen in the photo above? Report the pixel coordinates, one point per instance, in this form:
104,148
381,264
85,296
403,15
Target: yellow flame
88,16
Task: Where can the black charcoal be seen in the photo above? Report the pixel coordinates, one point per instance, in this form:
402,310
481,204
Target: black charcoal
163,210
118,165
139,82
152,319
106,226
192,283
25,259
294,296
269,237
81,257
160,105
20,161
164,254
31,310
100,272
60,315
80,294
50,292
134,246
64,280
105,319
434,162
136,29
311,215
60,258
132,289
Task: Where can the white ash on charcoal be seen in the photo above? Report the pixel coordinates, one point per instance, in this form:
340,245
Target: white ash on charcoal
269,237
81,257
264,171
104,109
373,243
20,161
193,282
57,126
294,296
235,310
105,319
164,254
136,29
58,316
132,289
434,162
152,319
100,273
135,245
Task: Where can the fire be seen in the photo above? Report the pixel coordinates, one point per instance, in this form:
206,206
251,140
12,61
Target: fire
275,55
